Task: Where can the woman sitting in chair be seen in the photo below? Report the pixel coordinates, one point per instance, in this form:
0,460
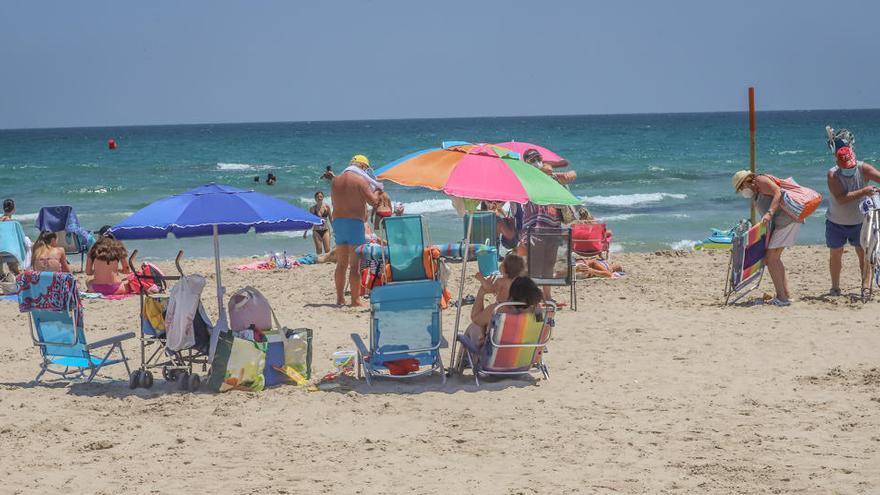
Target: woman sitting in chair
522,290
47,256
107,265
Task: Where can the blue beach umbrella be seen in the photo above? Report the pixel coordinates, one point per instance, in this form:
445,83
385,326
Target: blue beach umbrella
214,209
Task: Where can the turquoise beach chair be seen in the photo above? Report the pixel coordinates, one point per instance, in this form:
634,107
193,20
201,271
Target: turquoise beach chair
52,302
405,327
485,228
406,247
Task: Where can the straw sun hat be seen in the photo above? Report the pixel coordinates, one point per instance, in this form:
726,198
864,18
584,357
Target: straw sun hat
739,178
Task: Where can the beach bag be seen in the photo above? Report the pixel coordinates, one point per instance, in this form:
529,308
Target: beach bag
798,201
149,280
288,348
249,308
238,364
372,275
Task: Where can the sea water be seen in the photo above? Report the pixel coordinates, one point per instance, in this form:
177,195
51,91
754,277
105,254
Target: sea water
660,181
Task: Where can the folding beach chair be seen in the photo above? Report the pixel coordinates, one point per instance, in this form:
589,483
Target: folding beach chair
407,241
590,240
405,326
549,259
484,229
13,251
55,315
870,242
746,267
515,342
71,236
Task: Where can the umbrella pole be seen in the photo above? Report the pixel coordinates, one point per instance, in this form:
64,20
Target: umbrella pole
221,325
464,261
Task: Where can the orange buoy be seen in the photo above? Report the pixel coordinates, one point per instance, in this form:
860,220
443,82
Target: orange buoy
111,144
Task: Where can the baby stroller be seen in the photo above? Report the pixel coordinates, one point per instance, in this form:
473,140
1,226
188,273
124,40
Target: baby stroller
175,331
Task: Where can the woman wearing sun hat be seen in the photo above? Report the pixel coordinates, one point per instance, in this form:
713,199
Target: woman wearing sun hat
764,191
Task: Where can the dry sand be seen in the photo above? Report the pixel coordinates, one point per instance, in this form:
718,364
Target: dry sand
654,388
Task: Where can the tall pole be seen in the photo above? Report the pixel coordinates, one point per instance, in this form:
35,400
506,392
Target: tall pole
752,140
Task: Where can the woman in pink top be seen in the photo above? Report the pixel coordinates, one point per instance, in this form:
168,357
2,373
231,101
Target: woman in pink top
47,256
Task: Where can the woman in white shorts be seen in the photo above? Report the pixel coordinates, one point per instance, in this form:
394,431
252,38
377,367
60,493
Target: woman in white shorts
768,201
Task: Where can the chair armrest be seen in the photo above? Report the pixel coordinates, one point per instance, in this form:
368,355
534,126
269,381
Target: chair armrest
359,343
112,340
467,343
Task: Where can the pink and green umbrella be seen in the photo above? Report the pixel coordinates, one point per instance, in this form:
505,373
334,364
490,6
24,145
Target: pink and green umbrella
477,171
520,147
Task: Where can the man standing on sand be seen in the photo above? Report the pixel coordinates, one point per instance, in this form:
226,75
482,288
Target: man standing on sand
848,184
352,191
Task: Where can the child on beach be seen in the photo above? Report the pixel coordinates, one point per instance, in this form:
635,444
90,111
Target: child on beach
511,267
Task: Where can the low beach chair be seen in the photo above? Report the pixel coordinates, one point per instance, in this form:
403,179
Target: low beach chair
13,252
746,266
515,342
484,229
549,259
407,241
71,236
405,328
55,315
590,240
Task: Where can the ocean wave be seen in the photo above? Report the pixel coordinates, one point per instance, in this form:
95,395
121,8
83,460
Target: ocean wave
683,245
240,167
790,152
414,208
95,190
630,199
24,216
654,168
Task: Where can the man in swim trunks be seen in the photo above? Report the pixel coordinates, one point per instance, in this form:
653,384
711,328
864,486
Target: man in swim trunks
351,193
848,184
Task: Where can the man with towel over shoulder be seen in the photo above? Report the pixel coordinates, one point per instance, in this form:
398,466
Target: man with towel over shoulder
351,192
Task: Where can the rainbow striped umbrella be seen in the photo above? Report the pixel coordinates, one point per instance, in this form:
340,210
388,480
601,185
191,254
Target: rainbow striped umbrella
477,171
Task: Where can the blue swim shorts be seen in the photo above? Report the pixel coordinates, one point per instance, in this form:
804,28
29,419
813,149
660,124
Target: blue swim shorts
349,231
836,235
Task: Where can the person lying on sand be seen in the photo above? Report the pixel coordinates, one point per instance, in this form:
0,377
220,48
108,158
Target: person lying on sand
107,265
522,290
601,268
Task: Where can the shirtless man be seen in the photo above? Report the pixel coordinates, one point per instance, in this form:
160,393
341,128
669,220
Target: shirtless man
351,193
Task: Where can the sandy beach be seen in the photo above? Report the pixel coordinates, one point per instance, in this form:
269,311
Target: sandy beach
654,388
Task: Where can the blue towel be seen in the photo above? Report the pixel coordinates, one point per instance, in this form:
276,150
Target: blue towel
12,240
63,218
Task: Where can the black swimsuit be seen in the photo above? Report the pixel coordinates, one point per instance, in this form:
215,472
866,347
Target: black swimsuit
320,229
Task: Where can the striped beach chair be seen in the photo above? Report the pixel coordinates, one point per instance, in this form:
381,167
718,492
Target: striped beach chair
515,343
746,267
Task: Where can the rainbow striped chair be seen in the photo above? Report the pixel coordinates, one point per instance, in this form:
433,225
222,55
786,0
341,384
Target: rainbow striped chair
746,266
515,343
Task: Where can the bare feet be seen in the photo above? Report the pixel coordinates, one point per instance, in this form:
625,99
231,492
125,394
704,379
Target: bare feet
358,304
340,302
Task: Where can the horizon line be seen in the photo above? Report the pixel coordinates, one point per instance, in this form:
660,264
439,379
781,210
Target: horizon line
309,121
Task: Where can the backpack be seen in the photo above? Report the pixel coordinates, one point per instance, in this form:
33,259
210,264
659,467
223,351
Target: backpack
247,307
798,201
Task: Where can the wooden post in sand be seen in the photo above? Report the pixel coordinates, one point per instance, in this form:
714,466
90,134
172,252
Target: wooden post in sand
752,140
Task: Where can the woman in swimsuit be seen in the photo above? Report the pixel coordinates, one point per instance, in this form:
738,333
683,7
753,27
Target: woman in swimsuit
321,233
382,210
47,256
107,266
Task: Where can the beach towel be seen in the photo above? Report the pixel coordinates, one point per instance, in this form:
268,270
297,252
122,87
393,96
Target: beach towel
49,291
798,201
182,306
370,178
63,218
98,295
13,242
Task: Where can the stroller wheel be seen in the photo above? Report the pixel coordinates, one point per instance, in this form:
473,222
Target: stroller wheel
195,381
146,379
168,375
183,380
134,379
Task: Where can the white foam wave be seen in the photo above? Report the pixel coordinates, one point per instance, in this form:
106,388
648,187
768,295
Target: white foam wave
428,206
24,216
683,245
631,199
653,168
791,152
240,167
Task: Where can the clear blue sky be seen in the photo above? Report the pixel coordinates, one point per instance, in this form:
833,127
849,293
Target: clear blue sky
72,63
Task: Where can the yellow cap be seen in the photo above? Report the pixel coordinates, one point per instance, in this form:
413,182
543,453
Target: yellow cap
739,178
360,159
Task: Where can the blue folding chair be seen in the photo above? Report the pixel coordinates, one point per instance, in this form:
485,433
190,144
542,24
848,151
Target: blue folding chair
59,332
406,247
71,236
405,324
